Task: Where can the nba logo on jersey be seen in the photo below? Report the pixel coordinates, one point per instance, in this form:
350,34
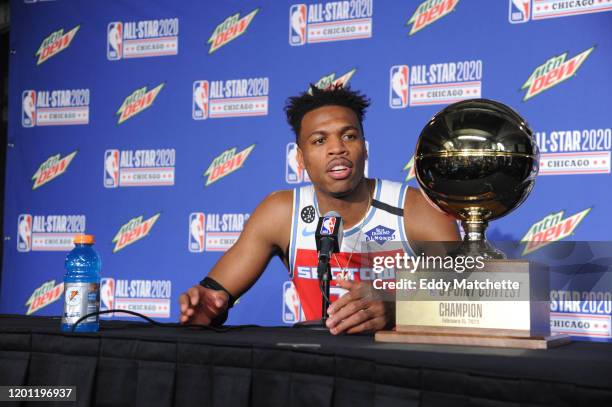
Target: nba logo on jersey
519,11
111,168
398,87
328,225
200,100
196,232
297,24
24,233
107,294
28,108
294,173
292,308
114,41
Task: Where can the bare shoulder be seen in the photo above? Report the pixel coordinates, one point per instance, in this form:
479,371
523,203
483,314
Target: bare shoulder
271,220
424,222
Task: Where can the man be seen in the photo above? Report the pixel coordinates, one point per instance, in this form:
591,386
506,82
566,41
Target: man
331,148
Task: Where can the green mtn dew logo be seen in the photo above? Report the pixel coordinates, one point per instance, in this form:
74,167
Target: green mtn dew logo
330,81
55,43
410,168
551,229
554,71
133,230
230,29
226,163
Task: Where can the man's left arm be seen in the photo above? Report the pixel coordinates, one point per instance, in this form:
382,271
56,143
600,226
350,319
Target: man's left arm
365,309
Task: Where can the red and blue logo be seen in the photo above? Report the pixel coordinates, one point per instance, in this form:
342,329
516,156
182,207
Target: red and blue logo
328,225
398,91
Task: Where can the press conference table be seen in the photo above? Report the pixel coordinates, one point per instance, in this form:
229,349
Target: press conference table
136,364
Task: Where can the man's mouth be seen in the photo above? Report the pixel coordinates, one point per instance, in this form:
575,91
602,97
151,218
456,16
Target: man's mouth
339,169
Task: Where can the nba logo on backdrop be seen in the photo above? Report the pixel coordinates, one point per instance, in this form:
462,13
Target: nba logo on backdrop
294,173
111,168
200,100
114,43
107,294
196,232
24,233
398,91
292,308
520,11
297,24
28,108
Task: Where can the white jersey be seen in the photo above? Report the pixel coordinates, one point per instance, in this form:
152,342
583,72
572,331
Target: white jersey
377,234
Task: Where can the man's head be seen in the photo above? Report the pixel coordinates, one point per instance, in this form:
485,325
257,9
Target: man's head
298,106
329,135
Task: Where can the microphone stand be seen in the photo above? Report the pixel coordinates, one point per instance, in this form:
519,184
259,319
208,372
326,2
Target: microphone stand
324,275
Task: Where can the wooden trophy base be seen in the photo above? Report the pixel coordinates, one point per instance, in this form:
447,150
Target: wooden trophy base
473,340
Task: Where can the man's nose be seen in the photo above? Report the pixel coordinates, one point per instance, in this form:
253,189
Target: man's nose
336,146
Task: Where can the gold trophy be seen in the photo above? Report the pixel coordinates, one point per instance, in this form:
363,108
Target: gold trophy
476,160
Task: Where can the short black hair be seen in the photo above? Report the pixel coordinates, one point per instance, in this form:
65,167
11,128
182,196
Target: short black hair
336,95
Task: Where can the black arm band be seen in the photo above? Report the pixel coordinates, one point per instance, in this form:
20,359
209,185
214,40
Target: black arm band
214,285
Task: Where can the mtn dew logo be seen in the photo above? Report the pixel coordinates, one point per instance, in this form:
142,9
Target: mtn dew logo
230,29
133,231
52,168
330,81
44,295
551,229
429,12
55,43
138,101
410,168
226,163
553,72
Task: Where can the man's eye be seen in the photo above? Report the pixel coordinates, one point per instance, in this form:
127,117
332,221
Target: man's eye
318,141
350,136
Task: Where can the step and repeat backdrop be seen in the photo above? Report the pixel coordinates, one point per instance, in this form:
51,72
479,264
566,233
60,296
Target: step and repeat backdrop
159,126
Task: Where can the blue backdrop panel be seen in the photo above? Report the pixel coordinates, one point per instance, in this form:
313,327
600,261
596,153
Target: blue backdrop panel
158,127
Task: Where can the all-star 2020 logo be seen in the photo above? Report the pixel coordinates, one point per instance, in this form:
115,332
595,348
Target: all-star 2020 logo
55,43
52,168
552,72
138,101
230,29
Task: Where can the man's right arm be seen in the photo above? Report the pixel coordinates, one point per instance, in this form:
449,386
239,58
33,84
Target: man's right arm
266,234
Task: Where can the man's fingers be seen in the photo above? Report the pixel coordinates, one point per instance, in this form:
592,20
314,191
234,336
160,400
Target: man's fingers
374,324
346,284
194,295
184,302
354,319
346,311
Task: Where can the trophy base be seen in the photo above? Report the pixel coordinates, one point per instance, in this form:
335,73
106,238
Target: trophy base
473,340
475,248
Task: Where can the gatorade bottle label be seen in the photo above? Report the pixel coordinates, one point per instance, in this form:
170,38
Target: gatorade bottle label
80,299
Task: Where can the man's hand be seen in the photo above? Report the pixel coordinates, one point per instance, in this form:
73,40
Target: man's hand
201,305
360,310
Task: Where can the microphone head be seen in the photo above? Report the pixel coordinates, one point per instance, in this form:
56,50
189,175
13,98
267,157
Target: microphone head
330,226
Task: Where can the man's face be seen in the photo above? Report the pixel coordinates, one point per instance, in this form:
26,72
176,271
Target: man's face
332,149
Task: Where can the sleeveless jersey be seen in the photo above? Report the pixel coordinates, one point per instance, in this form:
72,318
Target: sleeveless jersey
377,234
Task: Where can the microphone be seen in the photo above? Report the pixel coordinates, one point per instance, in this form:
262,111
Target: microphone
329,240
329,235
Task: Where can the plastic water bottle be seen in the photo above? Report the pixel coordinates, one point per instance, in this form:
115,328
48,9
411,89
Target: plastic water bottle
81,286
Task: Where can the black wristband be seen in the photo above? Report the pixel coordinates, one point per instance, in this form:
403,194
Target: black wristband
214,285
